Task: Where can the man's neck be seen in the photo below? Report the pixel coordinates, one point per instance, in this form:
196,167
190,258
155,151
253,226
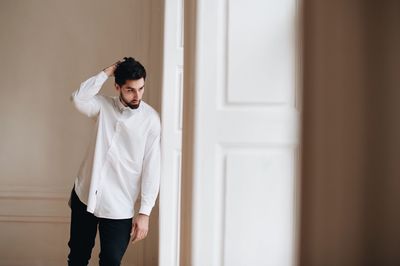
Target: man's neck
122,101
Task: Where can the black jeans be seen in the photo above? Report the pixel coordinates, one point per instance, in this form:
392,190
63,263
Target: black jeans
114,236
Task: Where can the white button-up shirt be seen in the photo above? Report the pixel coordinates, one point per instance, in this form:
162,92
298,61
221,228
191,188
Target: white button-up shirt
123,156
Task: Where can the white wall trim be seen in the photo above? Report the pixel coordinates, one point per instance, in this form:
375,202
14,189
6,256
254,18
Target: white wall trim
172,95
50,204
34,192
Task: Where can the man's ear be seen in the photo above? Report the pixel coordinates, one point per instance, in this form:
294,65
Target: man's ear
117,87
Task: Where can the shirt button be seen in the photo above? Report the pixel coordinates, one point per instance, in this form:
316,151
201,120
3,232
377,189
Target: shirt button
96,192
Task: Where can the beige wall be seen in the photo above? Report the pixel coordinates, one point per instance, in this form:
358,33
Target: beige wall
350,178
47,49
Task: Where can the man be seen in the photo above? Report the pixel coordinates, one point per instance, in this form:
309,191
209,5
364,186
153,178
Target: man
122,160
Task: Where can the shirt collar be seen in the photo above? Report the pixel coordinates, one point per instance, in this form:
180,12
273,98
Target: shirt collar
123,108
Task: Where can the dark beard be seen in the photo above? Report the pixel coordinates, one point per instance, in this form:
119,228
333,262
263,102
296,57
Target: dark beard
129,104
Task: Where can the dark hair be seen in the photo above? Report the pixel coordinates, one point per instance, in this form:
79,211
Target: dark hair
129,69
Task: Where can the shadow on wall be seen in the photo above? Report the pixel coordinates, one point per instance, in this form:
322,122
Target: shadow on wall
350,177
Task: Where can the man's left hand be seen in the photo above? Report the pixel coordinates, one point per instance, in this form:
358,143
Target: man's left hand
140,227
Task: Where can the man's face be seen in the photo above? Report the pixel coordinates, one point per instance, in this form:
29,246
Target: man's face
131,92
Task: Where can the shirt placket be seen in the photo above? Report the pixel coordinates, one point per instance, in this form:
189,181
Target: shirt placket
113,144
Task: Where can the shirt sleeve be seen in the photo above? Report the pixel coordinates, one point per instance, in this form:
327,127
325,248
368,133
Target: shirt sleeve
151,171
86,98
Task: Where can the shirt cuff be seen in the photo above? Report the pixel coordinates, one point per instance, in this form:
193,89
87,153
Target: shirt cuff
102,76
145,210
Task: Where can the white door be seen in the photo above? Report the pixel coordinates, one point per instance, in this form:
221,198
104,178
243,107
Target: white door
172,92
239,134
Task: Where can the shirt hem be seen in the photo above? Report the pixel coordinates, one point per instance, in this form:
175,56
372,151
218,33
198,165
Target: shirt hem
111,217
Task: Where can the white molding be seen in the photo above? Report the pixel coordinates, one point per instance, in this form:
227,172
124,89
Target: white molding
172,96
34,219
31,262
23,198
34,193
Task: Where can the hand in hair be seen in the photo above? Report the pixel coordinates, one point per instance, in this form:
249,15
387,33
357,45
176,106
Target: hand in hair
110,69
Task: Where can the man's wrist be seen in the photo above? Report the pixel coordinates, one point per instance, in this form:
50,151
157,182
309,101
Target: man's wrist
106,72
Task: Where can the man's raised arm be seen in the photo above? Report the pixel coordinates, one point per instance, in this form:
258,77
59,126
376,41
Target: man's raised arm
86,98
